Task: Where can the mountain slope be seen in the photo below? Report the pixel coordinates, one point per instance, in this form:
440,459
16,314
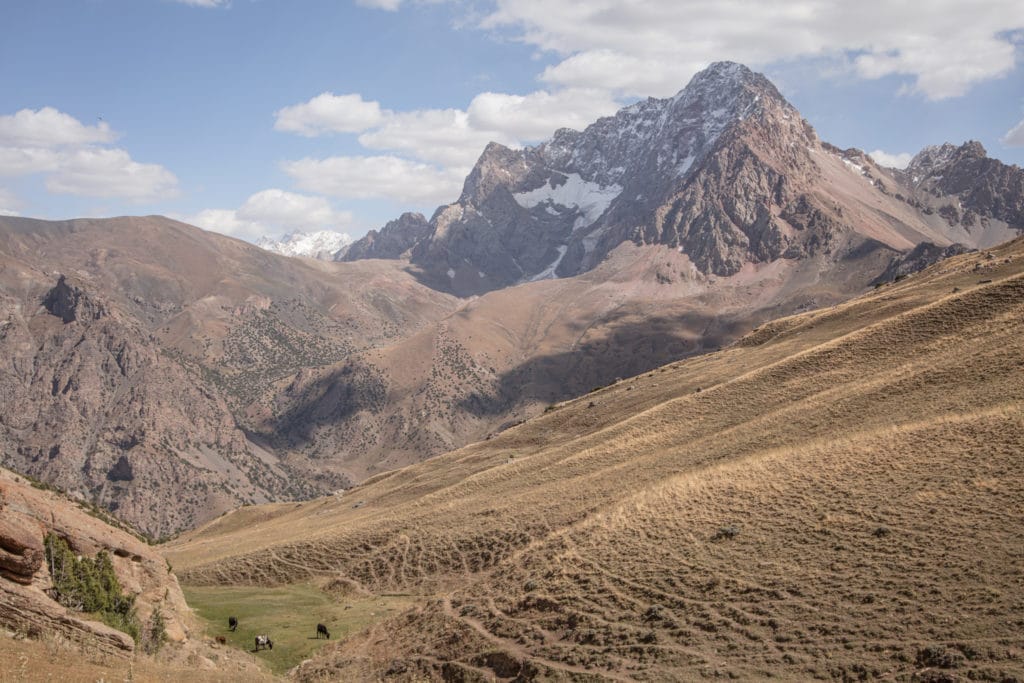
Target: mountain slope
510,353
837,493
727,172
139,353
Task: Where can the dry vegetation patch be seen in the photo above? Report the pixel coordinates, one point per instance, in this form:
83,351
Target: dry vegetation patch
839,497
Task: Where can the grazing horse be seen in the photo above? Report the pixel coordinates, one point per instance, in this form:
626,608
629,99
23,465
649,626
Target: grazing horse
321,630
232,623
264,642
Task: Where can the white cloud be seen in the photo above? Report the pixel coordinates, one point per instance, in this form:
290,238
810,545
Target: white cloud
376,177
292,211
16,161
653,47
270,213
536,116
100,172
205,3
9,203
621,73
1015,136
388,5
440,136
74,158
327,113
224,221
883,158
48,127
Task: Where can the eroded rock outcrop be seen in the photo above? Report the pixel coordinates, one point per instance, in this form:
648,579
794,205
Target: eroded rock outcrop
27,515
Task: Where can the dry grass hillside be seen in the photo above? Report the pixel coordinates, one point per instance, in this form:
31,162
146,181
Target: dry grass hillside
507,355
839,495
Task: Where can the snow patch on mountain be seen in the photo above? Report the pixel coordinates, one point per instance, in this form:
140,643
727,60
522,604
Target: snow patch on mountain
592,199
323,244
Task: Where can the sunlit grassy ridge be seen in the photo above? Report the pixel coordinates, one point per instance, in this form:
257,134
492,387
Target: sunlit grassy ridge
841,494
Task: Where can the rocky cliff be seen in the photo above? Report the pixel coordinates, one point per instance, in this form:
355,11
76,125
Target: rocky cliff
140,358
27,515
727,172
392,241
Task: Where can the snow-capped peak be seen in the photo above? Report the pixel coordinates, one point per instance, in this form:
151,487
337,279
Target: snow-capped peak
323,244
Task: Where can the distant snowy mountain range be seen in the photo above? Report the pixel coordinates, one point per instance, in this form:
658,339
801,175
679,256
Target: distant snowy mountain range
323,244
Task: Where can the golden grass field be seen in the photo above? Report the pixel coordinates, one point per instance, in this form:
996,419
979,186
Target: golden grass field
839,495
52,660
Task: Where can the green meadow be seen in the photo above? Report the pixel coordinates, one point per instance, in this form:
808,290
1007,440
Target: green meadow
289,615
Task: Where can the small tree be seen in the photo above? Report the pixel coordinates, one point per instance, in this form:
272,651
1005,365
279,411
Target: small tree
155,634
90,585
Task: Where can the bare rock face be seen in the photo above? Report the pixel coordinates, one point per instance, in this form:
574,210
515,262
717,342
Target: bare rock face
27,515
391,241
726,172
70,303
982,187
103,411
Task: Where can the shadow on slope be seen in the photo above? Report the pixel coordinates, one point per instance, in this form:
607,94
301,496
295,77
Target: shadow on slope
333,398
624,345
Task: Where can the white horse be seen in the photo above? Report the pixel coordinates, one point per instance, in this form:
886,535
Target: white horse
265,642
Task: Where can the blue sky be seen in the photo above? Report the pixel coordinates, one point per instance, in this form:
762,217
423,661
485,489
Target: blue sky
255,117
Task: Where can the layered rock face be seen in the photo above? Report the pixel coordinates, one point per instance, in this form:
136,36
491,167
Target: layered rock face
27,515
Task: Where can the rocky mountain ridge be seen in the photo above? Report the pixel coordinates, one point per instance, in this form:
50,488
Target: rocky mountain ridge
392,241
144,357
977,188
727,172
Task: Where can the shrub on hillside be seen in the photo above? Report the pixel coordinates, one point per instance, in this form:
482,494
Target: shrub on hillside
155,635
87,584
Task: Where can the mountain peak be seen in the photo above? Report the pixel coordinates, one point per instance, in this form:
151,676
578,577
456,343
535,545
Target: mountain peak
323,244
728,88
724,70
